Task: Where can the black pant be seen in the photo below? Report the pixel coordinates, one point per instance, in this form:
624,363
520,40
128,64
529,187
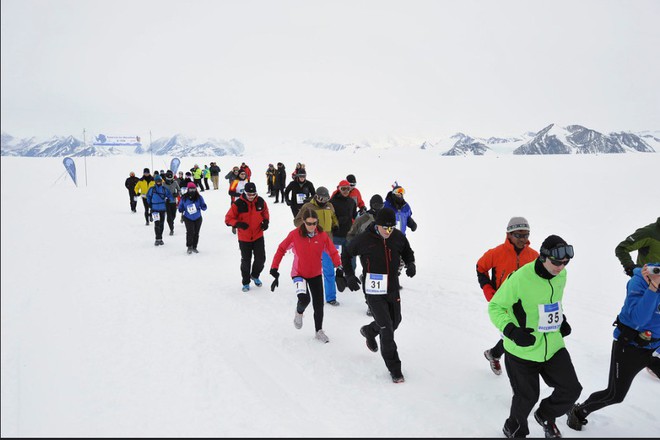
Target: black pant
279,191
131,196
387,317
159,224
557,372
200,187
192,231
625,362
498,350
206,183
248,268
315,288
146,209
171,214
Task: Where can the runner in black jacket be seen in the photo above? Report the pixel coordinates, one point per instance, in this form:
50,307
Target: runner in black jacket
380,248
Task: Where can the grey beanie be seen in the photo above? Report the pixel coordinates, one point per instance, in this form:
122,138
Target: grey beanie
517,224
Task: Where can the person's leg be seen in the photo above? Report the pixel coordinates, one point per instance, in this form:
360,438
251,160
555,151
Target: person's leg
328,277
171,214
558,373
159,225
498,350
190,231
383,325
246,261
198,227
259,250
146,209
626,362
524,380
315,288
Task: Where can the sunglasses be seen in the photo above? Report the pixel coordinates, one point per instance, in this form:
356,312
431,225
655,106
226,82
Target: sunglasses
322,199
311,223
559,253
515,234
388,228
559,262
344,188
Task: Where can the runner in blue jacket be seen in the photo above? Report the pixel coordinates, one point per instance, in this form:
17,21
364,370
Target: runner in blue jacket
636,343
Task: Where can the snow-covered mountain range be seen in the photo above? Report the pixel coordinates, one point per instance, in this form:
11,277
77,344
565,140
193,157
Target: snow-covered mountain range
573,139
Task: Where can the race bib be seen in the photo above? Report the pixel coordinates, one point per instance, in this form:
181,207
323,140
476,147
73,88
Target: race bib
192,209
300,198
184,190
155,216
550,317
300,285
375,284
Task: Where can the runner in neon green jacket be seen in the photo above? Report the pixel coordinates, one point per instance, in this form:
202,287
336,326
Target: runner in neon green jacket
527,309
517,302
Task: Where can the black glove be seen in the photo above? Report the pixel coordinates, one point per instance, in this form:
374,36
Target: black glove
522,337
288,202
411,270
412,224
339,279
353,283
565,328
629,270
275,274
264,225
362,210
241,225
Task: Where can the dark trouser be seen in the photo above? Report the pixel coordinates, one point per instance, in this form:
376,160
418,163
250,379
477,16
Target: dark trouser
171,214
387,317
131,196
200,187
557,372
192,231
315,287
206,183
146,209
248,268
159,224
625,362
294,209
279,191
498,350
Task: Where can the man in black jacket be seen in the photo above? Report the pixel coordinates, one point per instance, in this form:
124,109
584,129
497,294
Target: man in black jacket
380,249
299,192
130,183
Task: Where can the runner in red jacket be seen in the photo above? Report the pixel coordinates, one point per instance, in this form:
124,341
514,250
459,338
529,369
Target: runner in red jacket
307,242
249,215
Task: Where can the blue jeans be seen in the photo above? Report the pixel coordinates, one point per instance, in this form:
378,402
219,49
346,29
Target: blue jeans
328,278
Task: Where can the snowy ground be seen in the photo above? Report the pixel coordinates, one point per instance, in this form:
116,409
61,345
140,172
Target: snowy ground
105,335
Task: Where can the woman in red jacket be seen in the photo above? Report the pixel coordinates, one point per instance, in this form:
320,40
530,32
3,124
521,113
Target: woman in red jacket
307,242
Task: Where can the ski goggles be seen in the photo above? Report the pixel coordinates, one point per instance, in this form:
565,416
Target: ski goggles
559,252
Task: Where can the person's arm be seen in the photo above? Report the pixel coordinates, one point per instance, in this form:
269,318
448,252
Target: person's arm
634,242
484,265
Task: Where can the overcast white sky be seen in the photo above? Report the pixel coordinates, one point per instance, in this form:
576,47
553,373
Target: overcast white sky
342,69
